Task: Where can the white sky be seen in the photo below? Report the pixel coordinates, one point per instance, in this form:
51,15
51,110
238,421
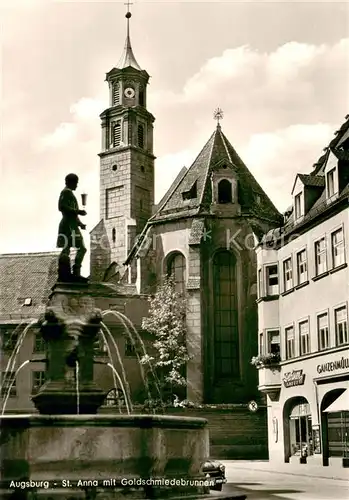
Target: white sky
279,71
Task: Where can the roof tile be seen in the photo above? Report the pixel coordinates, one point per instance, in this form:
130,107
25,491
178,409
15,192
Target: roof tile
312,180
26,275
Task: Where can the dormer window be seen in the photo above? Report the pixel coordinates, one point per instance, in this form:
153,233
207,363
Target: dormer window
332,177
330,183
27,301
192,193
224,191
298,206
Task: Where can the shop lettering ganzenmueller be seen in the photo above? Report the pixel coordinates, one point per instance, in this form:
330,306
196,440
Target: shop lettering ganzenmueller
333,365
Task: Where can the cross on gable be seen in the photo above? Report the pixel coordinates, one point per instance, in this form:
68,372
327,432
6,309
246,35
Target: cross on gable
128,3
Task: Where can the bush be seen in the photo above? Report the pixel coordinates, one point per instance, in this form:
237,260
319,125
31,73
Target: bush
166,323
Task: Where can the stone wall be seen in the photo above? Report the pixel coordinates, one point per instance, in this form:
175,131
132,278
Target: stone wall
235,433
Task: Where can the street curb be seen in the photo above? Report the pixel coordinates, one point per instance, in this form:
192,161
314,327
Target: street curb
294,474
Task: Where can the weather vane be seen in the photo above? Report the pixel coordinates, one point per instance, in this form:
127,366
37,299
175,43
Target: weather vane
218,115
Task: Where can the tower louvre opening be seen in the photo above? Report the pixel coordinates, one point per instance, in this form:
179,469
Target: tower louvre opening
117,134
140,136
116,93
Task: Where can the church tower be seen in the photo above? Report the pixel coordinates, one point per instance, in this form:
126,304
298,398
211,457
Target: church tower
126,159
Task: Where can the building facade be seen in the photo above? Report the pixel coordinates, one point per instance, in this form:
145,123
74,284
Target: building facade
303,293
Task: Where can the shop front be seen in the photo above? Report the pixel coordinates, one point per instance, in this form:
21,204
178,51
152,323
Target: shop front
309,423
335,426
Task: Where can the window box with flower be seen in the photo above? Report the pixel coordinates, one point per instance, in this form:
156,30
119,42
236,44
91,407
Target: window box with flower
269,375
266,360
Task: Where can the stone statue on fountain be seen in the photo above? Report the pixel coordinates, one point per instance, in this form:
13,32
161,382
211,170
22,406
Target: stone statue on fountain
69,234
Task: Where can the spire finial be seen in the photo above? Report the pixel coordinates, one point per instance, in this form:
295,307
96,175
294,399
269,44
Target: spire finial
128,15
128,58
218,115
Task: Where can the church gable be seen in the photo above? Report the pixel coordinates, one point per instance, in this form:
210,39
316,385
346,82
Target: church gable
218,176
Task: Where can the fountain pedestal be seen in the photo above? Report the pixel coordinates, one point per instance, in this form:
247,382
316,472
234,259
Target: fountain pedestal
69,329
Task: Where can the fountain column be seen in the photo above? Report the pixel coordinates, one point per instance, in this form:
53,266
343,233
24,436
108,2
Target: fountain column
70,339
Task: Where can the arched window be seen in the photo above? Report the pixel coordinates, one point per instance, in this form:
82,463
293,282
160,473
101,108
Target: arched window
224,191
176,268
140,136
117,134
113,397
226,335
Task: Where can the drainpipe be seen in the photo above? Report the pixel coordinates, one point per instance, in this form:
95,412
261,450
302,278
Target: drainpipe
317,402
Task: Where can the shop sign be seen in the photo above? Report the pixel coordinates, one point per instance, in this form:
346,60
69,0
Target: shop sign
252,406
296,377
331,366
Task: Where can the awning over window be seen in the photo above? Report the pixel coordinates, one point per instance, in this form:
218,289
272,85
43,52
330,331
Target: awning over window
300,410
340,404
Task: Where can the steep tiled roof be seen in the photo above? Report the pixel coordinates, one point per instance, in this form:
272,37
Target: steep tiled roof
335,144
339,147
26,276
321,205
173,186
340,134
341,155
312,180
196,180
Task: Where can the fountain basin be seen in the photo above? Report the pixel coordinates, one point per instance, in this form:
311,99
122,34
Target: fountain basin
102,451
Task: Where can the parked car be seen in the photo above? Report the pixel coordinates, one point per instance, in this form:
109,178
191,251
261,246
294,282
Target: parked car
215,470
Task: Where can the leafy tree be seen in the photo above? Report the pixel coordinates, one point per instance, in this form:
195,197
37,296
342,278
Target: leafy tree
166,323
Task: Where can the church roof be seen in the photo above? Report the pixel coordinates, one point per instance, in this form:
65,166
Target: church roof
128,59
192,194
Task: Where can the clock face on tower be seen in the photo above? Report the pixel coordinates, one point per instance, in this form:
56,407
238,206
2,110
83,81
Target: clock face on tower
129,92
